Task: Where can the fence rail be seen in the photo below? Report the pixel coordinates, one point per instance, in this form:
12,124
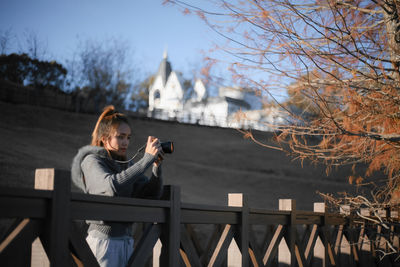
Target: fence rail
234,235
80,102
210,119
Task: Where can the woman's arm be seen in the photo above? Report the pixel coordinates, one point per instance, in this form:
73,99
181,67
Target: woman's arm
100,179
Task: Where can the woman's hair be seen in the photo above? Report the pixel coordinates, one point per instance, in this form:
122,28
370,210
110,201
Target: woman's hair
108,121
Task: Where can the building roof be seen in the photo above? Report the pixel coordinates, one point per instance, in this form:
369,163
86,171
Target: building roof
237,102
164,70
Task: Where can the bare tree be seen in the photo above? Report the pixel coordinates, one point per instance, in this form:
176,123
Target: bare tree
32,45
340,58
103,71
6,39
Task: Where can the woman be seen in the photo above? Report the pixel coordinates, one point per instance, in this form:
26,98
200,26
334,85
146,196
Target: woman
101,168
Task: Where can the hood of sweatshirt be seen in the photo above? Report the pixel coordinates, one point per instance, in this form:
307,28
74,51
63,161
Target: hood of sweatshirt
76,171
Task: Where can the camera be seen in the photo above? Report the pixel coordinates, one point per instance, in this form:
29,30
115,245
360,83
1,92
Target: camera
167,147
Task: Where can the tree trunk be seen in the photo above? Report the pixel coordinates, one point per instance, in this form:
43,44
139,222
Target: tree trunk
391,15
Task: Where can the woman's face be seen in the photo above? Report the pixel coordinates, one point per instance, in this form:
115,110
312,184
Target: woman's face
118,141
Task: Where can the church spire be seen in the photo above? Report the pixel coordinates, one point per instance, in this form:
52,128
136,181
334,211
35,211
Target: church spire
164,69
165,54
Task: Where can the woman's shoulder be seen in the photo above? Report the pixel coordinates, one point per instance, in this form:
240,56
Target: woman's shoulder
95,150
91,153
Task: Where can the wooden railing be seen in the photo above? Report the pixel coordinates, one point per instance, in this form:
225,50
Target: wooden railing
190,234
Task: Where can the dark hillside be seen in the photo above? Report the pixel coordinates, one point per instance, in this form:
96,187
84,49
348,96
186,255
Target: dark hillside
208,162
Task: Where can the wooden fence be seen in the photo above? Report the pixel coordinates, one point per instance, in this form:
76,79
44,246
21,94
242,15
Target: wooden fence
189,234
56,99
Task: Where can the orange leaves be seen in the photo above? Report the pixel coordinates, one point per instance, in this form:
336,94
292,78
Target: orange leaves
343,97
357,180
264,14
351,125
325,143
281,138
201,15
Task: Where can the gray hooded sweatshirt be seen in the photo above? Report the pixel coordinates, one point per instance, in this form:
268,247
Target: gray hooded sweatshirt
95,172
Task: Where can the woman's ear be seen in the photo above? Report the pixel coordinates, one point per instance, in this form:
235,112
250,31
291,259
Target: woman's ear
104,140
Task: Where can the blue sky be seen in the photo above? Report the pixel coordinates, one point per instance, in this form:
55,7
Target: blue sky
146,25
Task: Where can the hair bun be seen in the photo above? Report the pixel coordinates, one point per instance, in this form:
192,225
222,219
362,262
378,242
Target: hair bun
108,110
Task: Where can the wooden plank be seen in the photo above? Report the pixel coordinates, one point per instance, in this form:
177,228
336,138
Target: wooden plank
117,212
290,236
220,251
21,207
244,232
306,218
79,197
273,245
352,236
12,232
338,240
253,258
269,233
209,217
39,257
269,219
237,251
254,251
174,226
170,255
330,253
211,244
299,254
256,216
16,247
184,258
145,245
80,248
24,192
299,251
318,249
44,179
254,244
60,220
194,239
189,249
193,206
311,243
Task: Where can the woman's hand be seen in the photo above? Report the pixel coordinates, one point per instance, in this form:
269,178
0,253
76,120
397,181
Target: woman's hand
159,159
153,146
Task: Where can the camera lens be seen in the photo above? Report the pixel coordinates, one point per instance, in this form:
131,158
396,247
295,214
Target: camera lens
167,147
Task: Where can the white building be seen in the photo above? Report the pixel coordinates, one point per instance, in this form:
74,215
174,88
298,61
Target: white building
166,92
168,100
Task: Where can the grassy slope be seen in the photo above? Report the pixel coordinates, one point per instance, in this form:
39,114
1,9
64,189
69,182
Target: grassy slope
208,163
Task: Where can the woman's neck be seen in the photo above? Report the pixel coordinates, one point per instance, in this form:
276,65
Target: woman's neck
114,156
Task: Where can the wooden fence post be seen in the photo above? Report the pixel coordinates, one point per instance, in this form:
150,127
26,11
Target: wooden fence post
234,256
44,180
283,256
60,182
244,233
321,249
170,251
60,219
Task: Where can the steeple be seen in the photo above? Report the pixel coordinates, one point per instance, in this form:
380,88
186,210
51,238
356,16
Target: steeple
164,70
165,54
